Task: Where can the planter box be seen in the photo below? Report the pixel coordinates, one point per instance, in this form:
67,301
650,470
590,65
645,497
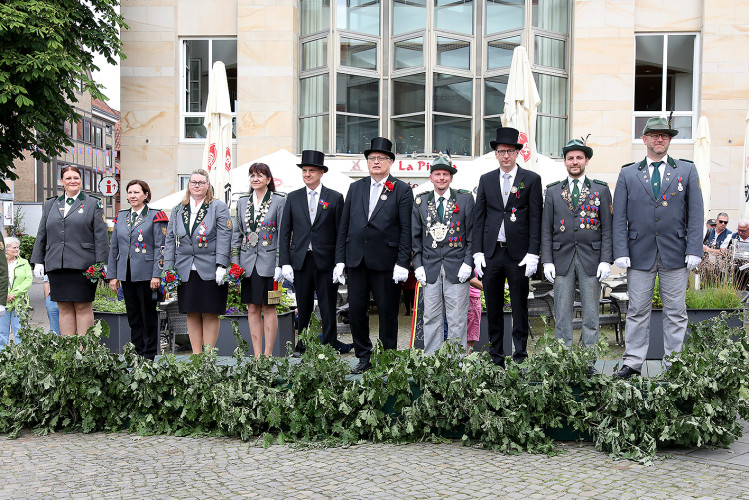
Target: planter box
226,343
656,349
119,330
483,341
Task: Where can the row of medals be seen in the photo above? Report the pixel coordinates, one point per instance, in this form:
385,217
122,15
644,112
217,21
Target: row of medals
591,211
439,230
253,236
140,246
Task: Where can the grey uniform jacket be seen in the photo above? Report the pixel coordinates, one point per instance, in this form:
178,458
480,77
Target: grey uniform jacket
264,255
75,241
146,235
458,217
181,247
644,224
592,242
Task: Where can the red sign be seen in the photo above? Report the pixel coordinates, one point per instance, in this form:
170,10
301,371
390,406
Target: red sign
227,161
526,151
211,156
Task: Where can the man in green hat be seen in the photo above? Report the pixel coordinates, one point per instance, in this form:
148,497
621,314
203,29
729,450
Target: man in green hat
441,224
576,244
658,216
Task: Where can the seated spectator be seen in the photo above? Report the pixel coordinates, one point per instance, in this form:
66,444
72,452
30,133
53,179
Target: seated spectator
716,240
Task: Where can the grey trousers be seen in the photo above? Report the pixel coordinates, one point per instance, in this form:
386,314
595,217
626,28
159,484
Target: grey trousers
673,289
564,296
456,299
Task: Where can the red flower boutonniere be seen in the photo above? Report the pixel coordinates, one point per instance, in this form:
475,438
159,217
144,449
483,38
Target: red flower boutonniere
389,186
234,275
324,204
521,186
456,209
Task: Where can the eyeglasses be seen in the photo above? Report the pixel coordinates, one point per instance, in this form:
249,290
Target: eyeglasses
198,183
722,222
378,158
505,152
663,137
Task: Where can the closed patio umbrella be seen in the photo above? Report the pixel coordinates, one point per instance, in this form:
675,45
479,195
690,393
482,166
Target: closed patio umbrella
702,159
744,187
217,152
521,104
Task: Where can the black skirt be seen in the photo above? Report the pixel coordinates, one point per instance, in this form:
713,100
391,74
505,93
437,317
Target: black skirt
70,285
255,289
197,295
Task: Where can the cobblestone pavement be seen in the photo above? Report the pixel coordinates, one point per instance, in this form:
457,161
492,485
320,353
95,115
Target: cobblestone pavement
128,466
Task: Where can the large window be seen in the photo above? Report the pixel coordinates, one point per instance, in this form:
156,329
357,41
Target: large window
198,56
429,74
665,81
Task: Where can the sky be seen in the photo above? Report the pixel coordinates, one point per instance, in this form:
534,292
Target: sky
109,76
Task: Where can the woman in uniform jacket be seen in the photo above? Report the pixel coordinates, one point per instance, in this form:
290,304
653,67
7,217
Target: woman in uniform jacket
72,236
255,248
198,240
19,283
135,260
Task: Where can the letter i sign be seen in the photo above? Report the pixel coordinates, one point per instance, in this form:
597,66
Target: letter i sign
108,186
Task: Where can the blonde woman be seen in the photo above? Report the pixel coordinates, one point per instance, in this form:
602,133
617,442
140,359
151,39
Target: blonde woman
19,282
198,241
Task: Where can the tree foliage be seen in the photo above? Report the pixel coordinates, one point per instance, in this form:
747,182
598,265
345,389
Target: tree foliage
47,54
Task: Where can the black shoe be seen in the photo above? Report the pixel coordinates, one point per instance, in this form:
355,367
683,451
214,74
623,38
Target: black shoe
499,362
592,371
626,371
345,348
363,366
296,354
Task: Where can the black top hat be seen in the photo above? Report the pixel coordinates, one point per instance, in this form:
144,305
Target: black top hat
507,135
312,158
380,145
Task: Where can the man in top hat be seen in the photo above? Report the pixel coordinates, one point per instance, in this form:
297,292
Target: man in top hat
658,216
441,227
374,245
507,241
312,216
576,244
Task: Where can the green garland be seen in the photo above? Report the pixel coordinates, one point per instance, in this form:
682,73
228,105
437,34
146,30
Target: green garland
50,383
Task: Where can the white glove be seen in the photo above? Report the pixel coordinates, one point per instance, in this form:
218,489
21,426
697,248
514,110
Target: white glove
421,275
604,269
692,261
2,313
550,271
277,275
399,273
464,272
288,273
478,263
39,271
622,262
530,262
338,273
220,273
105,269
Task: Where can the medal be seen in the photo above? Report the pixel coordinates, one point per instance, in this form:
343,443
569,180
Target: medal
513,218
80,210
680,188
514,189
383,197
451,242
582,213
137,250
458,226
434,244
561,226
418,200
140,235
265,240
452,228
144,248
438,232
582,223
252,239
274,227
665,203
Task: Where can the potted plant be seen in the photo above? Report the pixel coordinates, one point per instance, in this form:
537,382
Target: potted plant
109,309
483,340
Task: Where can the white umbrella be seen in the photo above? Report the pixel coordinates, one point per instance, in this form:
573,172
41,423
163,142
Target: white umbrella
744,194
168,202
521,103
217,151
702,159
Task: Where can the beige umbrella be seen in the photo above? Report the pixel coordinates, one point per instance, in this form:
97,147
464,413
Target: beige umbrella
217,152
521,102
744,195
702,159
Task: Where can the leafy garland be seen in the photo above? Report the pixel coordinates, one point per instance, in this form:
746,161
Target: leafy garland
51,383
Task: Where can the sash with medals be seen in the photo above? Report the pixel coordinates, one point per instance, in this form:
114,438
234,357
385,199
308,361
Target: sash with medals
436,228
253,220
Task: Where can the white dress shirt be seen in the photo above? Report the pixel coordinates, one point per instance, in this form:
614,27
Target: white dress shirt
661,167
67,207
194,207
513,173
313,216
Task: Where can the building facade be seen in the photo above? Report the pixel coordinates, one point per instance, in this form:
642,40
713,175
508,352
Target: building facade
431,75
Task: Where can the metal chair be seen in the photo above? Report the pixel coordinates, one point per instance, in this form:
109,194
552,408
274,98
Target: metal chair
177,322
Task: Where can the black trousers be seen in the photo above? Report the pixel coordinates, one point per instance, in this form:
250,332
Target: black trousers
386,293
308,281
499,267
142,316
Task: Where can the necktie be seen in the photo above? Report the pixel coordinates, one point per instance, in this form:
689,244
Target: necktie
506,188
69,201
655,181
135,215
441,209
312,206
575,194
373,197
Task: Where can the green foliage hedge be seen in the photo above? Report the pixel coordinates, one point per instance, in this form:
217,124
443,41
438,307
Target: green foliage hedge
50,383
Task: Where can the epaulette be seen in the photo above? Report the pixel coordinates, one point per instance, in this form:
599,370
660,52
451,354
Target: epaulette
160,217
52,198
597,181
553,184
464,191
628,164
684,159
95,197
279,194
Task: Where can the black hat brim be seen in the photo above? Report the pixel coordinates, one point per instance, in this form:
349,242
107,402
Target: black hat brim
323,167
494,145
